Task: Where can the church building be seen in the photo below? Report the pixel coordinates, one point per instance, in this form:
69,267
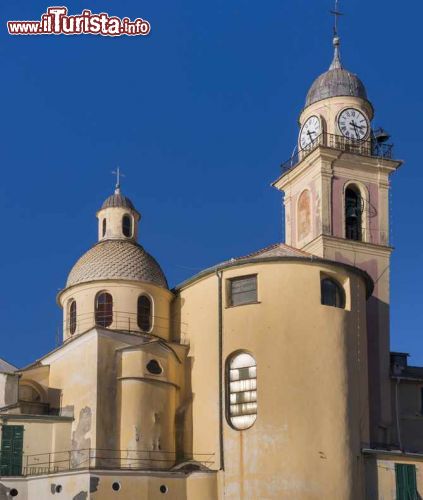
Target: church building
268,376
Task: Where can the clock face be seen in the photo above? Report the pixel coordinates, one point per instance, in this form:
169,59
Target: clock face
311,130
353,124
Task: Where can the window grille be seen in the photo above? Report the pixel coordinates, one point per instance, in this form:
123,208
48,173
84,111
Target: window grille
242,391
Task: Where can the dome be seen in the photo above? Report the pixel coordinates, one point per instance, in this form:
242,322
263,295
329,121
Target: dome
336,82
117,199
117,259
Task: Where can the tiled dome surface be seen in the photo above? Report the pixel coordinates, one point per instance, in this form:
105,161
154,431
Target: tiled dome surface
117,259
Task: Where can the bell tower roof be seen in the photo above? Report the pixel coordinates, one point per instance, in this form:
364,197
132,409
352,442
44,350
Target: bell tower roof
336,82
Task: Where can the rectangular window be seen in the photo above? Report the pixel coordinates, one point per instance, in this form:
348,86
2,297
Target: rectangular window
11,450
405,478
242,290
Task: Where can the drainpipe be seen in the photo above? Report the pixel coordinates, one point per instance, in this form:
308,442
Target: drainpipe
220,335
397,409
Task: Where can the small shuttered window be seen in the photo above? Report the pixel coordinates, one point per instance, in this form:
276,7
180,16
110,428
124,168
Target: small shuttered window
242,290
405,478
241,390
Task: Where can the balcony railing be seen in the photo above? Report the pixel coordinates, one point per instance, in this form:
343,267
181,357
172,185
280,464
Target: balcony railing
104,459
367,147
116,320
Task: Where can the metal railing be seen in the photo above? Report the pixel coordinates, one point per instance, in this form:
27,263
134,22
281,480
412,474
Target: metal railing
115,320
91,458
367,147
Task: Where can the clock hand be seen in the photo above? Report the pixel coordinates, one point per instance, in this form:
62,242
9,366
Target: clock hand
355,125
355,129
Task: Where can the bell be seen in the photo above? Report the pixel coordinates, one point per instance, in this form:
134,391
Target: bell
351,212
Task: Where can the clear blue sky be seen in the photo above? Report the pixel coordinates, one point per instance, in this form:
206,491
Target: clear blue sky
199,115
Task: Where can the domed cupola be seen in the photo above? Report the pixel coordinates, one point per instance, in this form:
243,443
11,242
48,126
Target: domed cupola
116,284
336,82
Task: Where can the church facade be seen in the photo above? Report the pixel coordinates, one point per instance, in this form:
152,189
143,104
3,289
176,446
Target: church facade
268,376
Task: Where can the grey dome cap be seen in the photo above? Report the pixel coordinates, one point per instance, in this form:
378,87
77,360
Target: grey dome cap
117,259
336,82
117,199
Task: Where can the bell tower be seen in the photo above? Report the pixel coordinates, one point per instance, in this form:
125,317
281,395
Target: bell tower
336,198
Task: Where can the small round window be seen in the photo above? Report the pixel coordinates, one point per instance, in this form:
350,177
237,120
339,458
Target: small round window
154,367
116,486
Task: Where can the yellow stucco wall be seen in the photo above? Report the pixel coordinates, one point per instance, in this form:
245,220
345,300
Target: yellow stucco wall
312,382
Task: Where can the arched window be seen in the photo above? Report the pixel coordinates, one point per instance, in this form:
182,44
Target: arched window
144,310
72,317
332,293
353,214
104,227
241,389
104,309
127,226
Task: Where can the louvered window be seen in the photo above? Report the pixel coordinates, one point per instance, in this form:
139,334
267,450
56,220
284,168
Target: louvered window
406,482
242,290
242,390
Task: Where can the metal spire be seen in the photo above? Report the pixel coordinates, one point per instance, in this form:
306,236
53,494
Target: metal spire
336,63
118,174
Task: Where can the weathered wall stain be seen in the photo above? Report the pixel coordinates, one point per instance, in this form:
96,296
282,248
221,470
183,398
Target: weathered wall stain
82,495
94,482
80,443
4,492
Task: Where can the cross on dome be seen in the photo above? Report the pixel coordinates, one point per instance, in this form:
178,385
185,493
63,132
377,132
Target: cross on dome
118,174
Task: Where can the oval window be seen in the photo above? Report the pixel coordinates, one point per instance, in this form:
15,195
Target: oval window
104,309
154,367
127,226
242,390
144,309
